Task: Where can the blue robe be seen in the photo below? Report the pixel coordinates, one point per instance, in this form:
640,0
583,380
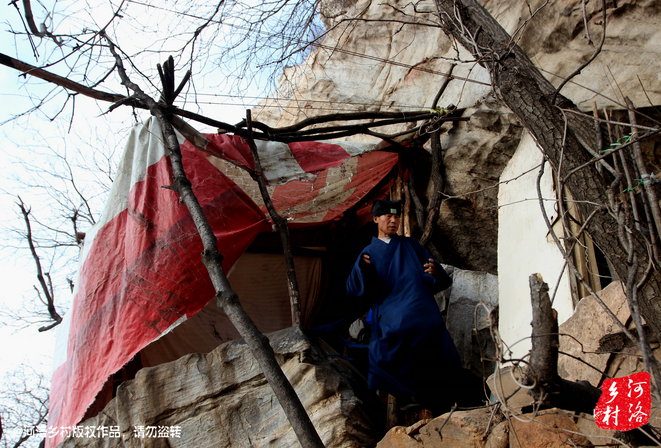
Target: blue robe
410,351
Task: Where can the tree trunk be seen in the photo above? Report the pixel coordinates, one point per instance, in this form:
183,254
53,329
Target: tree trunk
531,97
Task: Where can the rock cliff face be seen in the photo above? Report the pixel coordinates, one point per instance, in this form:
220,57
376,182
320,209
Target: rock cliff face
374,58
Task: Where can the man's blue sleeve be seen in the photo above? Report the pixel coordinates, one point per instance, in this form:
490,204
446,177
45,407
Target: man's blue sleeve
356,281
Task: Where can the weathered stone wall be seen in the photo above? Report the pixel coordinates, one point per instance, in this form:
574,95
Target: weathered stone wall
475,156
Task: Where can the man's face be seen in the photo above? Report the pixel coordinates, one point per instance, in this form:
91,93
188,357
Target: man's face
387,224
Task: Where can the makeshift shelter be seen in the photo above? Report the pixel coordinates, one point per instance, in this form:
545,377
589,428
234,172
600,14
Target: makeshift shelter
142,287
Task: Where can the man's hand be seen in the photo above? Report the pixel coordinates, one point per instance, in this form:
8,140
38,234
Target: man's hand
366,265
430,267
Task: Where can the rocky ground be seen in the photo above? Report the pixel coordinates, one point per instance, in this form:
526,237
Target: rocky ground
591,350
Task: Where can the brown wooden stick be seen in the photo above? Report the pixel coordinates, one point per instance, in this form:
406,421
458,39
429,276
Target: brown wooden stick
406,212
392,418
59,80
630,188
648,357
419,212
269,133
418,207
646,180
277,134
437,180
438,185
281,223
396,194
342,117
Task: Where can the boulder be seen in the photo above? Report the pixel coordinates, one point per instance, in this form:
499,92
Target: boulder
470,301
499,437
462,429
221,399
482,428
597,436
398,437
547,429
580,335
404,437
505,386
475,154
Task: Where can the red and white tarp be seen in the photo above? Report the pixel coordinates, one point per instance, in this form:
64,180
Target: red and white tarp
140,270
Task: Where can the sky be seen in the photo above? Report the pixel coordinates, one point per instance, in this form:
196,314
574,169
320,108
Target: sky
26,140
17,275
28,144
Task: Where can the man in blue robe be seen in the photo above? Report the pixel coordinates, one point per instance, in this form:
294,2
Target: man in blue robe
411,353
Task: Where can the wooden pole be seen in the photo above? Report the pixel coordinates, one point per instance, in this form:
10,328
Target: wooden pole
396,194
281,224
406,210
549,388
654,227
392,419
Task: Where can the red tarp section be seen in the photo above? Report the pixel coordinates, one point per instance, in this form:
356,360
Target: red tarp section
141,271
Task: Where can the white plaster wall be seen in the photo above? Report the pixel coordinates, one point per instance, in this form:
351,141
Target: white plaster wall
525,247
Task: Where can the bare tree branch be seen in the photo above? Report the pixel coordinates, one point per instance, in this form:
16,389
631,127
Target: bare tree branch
48,291
646,180
23,405
59,80
594,54
570,263
648,358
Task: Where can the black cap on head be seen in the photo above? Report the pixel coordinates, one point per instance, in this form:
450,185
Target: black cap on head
382,207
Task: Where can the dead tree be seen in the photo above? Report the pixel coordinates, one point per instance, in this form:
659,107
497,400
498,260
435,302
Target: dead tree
23,406
565,136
